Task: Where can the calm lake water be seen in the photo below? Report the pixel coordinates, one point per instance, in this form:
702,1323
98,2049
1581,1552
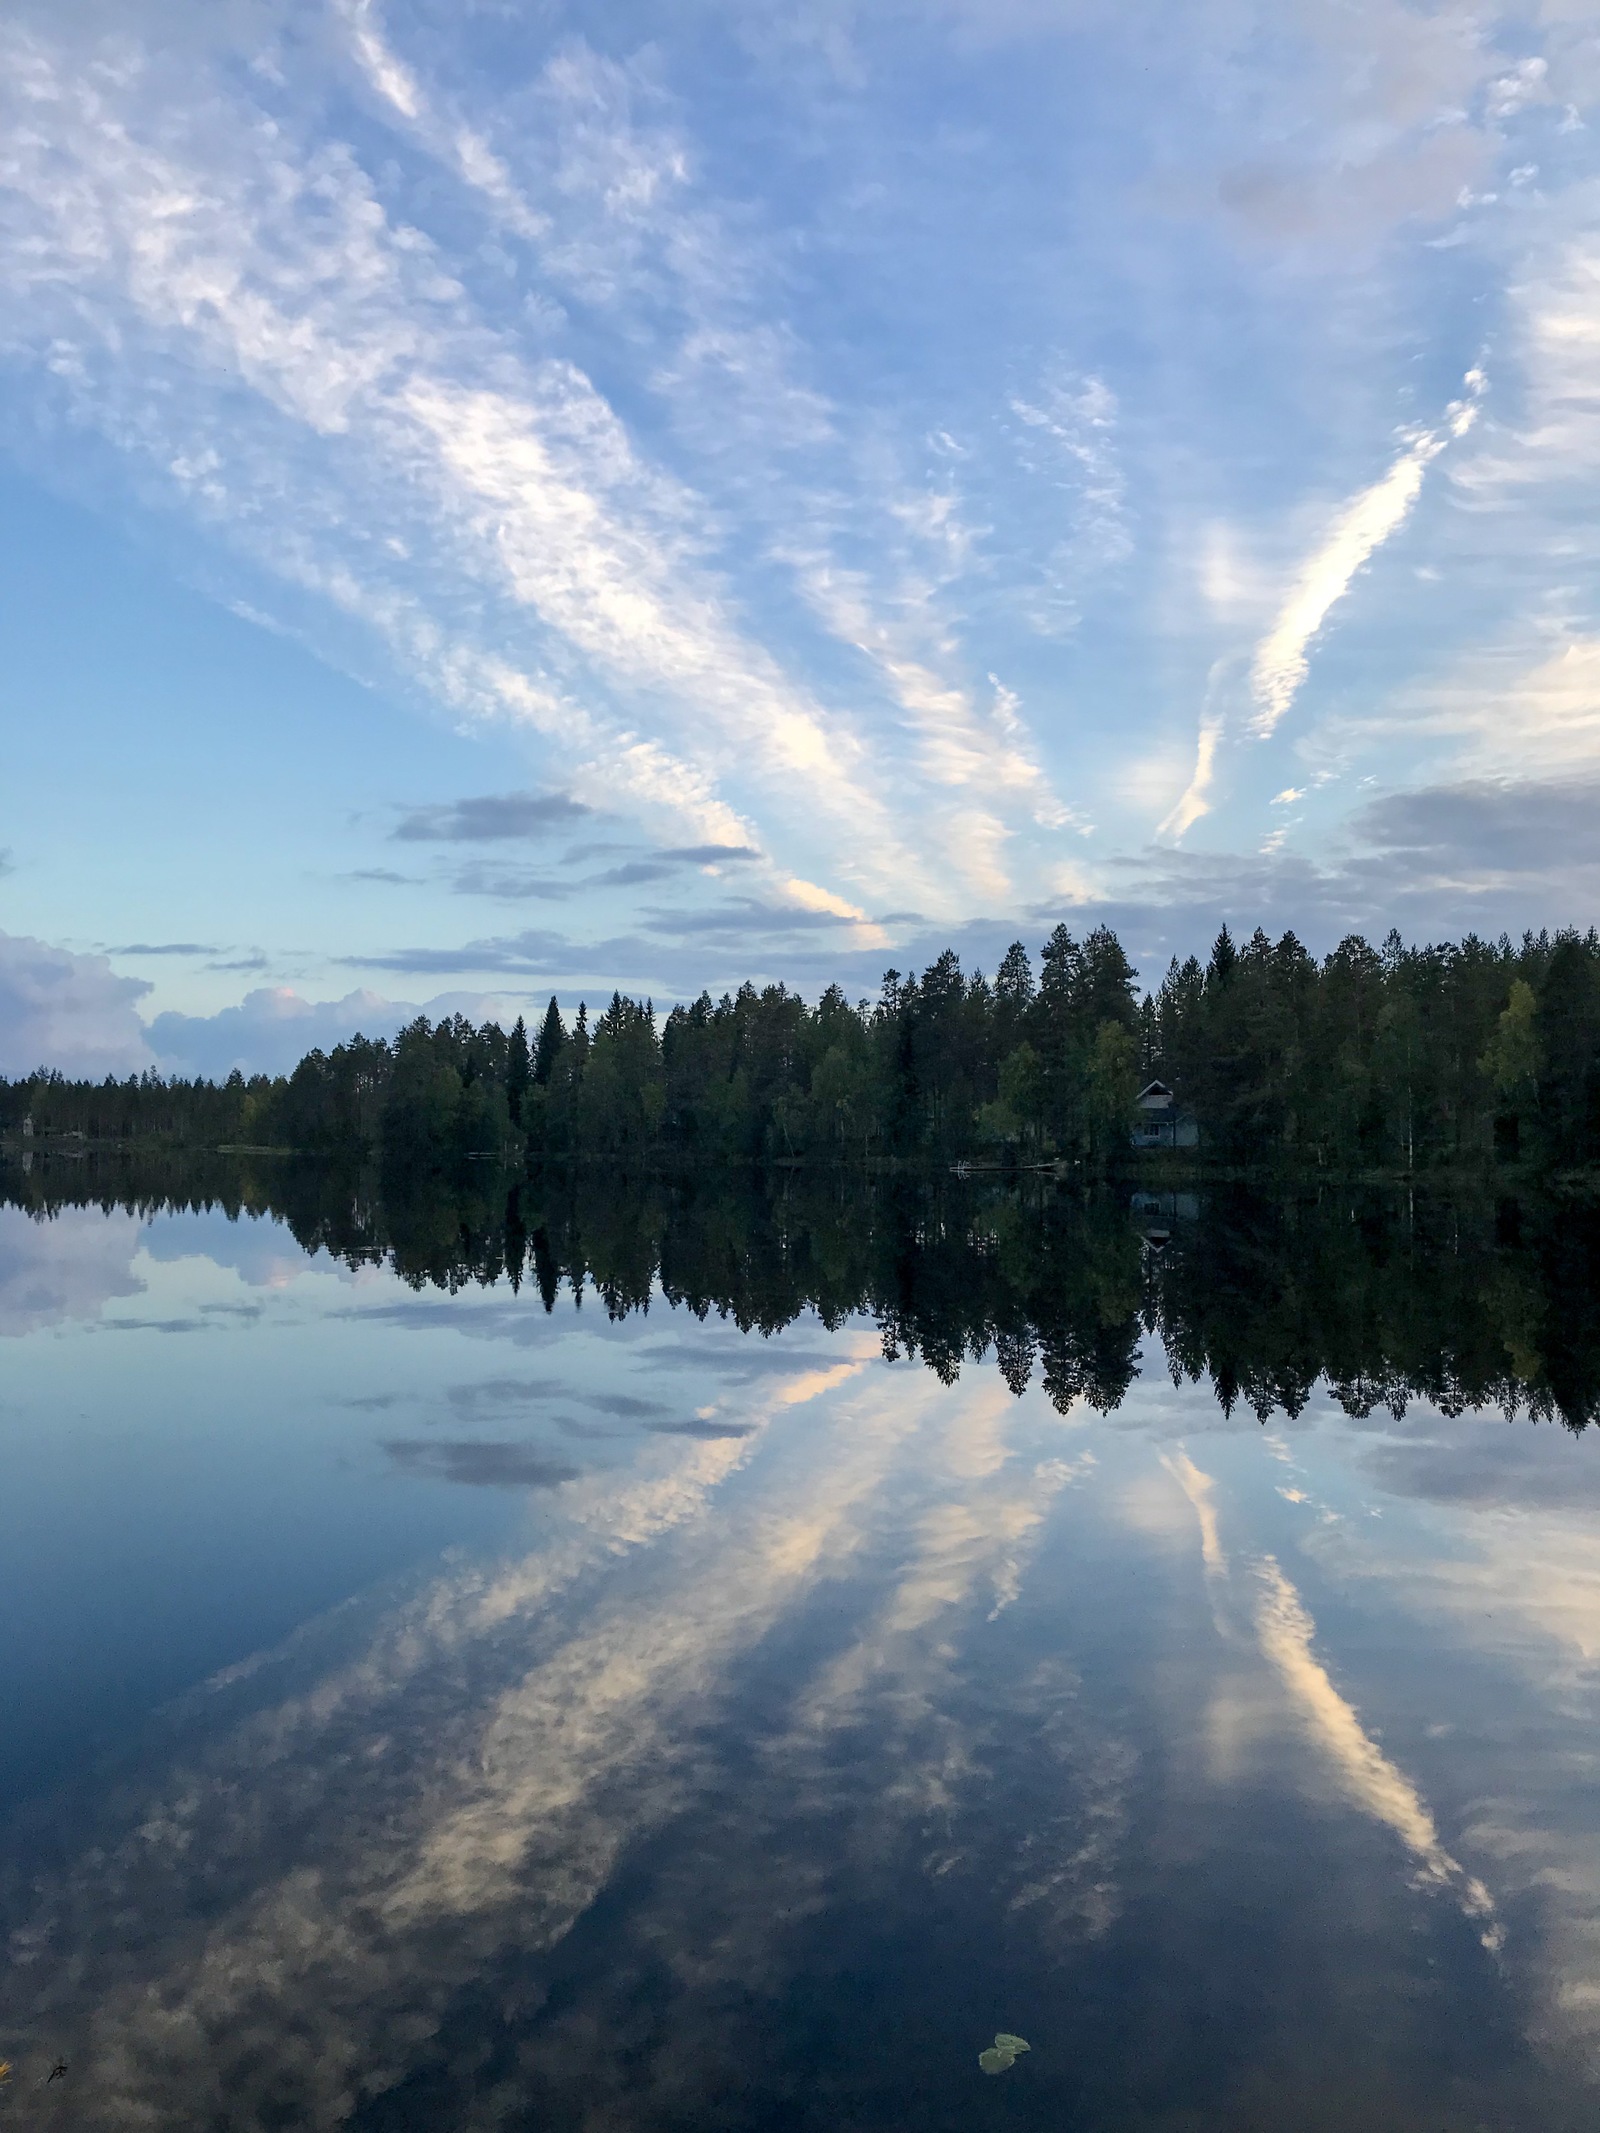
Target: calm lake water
434,1703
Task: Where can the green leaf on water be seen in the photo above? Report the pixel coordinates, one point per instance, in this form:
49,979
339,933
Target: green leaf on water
1005,2042
995,2061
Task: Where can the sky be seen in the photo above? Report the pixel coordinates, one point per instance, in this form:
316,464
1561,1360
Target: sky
510,498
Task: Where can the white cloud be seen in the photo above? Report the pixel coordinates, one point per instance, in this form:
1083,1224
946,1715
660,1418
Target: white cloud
1195,799
69,1011
68,1267
1201,1492
533,385
1350,1755
154,243
1375,1783
1068,435
1281,661
273,1027
459,145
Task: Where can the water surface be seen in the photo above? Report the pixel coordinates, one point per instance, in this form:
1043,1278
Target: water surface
787,1638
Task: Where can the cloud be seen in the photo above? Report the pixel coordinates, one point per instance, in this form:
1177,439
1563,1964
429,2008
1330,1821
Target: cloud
69,1011
529,953
1376,1784
744,915
462,146
510,884
1067,439
514,885
1195,799
491,817
1282,661
707,855
503,1393
68,1267
520,379
269,1032
480,1463
526,559
164,948
1482,833
273,1027
706,1428
1543,718
1350,1755
1201,1492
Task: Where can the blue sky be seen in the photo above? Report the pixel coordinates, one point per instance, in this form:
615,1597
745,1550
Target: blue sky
501,498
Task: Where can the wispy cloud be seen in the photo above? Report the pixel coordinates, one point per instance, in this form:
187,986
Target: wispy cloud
775,500
462,146
155,242
1195,799
1286,1636
1282,660
1201,1492
1376,1784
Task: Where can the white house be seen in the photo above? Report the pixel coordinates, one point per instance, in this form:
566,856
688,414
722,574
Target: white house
1160,1123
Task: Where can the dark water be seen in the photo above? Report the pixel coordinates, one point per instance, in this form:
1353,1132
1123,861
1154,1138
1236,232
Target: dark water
609,1657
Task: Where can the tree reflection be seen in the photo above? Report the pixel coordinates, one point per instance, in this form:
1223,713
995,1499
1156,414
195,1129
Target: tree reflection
1461,1300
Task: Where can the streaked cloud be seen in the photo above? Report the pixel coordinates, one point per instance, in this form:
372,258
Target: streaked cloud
1372,1780
1282,658
883,503
1199,1489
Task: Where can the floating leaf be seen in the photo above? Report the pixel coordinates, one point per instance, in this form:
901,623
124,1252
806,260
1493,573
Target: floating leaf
1005,2042
995,2061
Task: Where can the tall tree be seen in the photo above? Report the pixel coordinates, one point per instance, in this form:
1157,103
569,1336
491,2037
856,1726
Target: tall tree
552,1036
519,1069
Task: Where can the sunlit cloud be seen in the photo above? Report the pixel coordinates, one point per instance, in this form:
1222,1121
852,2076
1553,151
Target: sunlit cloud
1371,1779
1195,799
1200,1490
1282,658
769,500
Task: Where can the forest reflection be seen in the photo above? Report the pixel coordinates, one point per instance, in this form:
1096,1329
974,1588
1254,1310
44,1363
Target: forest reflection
1462,1299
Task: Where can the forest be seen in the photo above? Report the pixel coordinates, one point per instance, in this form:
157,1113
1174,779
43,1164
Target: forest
1389,1058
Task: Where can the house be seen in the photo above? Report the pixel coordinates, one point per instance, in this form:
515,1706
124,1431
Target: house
1159,1123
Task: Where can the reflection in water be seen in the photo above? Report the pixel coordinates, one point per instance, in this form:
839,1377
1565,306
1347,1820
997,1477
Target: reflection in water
62,1268
825,1718
1461,1300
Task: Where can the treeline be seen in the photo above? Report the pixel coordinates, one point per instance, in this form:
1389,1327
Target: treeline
1465,1299
1391,1057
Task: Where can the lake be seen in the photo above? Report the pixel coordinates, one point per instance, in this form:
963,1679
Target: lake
595,1655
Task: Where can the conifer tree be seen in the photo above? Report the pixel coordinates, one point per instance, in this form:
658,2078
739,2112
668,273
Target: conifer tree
519,1070
552,1036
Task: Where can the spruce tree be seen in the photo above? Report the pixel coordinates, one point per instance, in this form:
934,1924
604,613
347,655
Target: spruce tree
552,1036
519,1070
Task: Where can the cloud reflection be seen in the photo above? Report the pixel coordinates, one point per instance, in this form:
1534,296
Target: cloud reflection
1376,1784
353,1827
